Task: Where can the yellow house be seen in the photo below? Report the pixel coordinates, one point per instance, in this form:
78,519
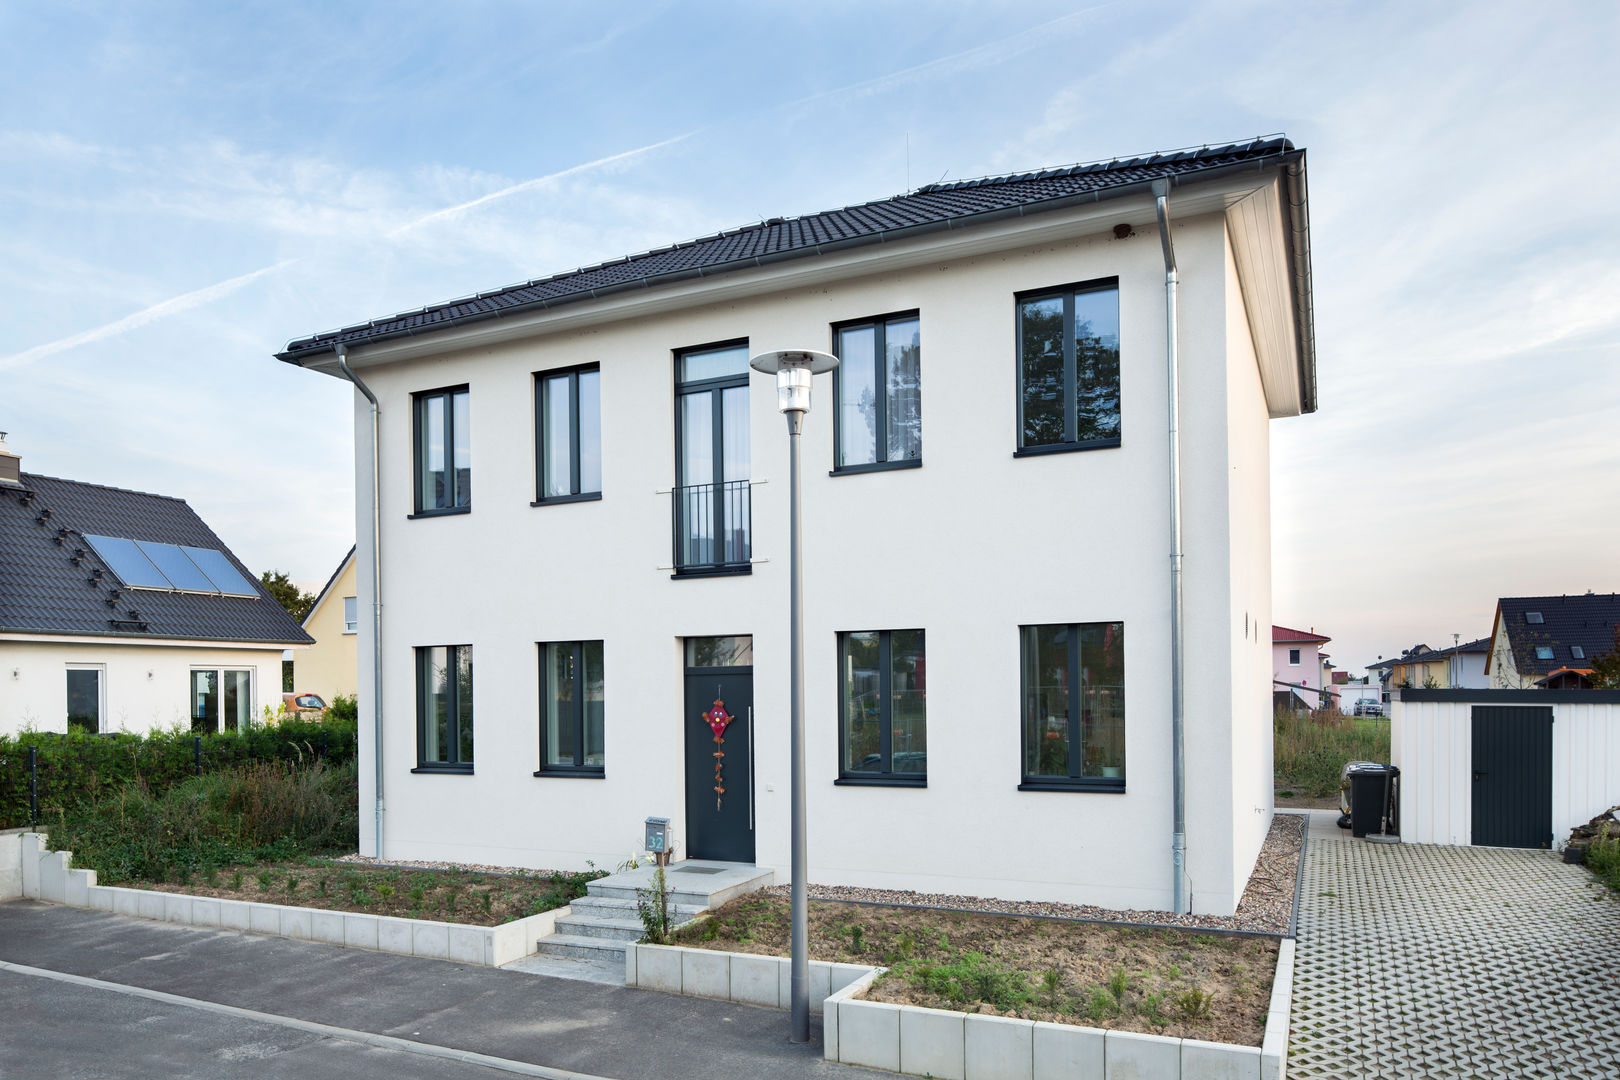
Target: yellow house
331,665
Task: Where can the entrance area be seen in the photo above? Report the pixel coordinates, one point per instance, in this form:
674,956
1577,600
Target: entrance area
718,720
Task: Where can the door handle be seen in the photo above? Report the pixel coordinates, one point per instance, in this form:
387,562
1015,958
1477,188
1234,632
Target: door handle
1477,776
750,768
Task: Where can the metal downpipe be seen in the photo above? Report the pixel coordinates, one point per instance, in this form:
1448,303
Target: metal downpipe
1182,903
376,591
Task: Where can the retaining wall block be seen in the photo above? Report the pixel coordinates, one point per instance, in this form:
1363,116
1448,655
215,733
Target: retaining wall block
176,908
754,980
506,943
819,978
1274,1048
394,935
467,945
264,918
78,887
99,898
204,911
659,969
149,905
298,923
53,872
706,974
829,1031
431,939
11,878
235,915
32,845
630,950
324,926
1130,1056
126,902
841,975
1066,1052
932,1043
999,1048
1219,1061
869,1034
360,931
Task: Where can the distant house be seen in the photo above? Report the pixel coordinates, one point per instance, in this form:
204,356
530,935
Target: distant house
1296,669
1550,641
1461,667
122,611
331,665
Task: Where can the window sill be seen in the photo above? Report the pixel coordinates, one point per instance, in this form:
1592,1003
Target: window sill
713,571
573,774
881,781
876,466
1066,448
552,500
451,512
1100,786
454,770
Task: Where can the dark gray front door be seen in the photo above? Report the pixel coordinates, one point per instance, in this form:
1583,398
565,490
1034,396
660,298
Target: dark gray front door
719,824
1512,798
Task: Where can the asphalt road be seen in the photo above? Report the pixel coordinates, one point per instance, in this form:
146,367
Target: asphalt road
86,994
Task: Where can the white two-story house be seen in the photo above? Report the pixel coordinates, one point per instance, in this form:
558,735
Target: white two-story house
582,509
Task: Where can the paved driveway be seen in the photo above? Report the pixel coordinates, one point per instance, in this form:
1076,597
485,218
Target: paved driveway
1420,960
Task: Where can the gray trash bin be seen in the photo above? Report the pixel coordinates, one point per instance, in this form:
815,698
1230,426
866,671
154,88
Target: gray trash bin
1374,797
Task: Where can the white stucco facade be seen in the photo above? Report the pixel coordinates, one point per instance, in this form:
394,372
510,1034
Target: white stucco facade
144,686
969,547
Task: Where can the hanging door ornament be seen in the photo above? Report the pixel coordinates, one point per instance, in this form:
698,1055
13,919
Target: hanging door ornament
717,718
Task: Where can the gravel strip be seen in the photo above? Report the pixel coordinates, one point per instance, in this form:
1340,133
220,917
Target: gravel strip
1266,907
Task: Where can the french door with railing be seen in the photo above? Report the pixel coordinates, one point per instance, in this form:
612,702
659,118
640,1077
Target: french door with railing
712,514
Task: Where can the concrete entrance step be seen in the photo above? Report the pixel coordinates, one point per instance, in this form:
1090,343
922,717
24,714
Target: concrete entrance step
694,882
616,907
580,947
596,926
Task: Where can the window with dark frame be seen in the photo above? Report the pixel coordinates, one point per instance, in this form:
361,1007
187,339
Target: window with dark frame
568,434
443,451
1068,368
444,708
877,388
221,699
84,698
571,709
1073,677
712,497
882,708
1293,657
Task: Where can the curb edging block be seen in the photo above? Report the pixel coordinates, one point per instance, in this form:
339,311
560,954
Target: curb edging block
466,945
297,923
1274,1048
754,980
264,918
998,1048
360,931
431,939
1219,1061
869,1034
235,915
706,974
394,935
205,912
177,908
1067,1052
933,1043
659,969
1128,1054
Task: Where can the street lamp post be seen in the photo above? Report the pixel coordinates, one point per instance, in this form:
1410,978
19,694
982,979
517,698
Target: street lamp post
794,370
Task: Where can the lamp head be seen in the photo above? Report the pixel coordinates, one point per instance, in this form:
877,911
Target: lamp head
794,369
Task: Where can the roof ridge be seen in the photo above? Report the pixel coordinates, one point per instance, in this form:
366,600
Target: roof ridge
107,487
1206,150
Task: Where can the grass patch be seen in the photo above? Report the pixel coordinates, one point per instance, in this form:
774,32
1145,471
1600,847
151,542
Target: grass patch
1309,750
1603,859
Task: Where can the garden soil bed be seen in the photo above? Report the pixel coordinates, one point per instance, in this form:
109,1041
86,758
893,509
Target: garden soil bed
1174,982
455,896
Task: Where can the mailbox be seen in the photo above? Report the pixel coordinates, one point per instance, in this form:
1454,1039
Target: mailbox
658,837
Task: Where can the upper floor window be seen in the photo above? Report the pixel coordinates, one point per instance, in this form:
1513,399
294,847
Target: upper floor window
568,430
443,451
444,708
1068,368
351,614
883,707
713,514
1293,658
878,389
571,706
1074,706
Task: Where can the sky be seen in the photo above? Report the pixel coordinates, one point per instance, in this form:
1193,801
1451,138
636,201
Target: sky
185,187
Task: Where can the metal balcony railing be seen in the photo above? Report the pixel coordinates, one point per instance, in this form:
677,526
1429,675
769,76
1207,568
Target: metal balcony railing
712,527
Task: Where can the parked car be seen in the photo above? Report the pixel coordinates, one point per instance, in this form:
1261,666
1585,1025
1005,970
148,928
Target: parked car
303,704
1369,708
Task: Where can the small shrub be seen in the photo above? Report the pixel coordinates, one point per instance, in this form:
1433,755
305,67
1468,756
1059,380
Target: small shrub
1194,1004
1052,981
655,909
856,934
973,977
1101,1004
383,889
1152,1009
236,881
1118,983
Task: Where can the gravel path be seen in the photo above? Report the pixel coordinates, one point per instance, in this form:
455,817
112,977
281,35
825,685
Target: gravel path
1267,905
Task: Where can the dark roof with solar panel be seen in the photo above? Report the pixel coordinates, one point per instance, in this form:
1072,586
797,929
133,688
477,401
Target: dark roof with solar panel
83,559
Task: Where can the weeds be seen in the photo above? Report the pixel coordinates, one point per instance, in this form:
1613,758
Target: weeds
1311,749
1603,859
655,909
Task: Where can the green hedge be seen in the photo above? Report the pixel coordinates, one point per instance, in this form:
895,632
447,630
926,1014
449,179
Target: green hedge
75,769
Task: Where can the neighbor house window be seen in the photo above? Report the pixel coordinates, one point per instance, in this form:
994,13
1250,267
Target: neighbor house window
85,704
568,427
443,452
221,699
351,614
883,707
878,389
1293,657
1068,368
444,708
571,727
1544,652
1577,652
1074,706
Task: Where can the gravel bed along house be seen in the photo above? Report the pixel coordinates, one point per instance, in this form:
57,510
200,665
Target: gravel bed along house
1267,905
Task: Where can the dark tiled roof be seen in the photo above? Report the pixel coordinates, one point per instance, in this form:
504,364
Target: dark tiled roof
1587,621
935,206
1412,656
43,592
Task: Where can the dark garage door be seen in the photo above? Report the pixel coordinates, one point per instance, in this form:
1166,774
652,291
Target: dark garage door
1512,776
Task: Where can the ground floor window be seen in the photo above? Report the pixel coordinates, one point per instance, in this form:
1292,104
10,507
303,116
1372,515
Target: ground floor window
1074,706
571,708
883,707
444,708
221,699
85,705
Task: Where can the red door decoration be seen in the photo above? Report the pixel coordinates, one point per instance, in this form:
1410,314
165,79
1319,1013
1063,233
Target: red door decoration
717,718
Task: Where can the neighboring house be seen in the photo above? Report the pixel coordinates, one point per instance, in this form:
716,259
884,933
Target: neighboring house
1296,669
1550,641
122,611
329,667
584,487
1460,667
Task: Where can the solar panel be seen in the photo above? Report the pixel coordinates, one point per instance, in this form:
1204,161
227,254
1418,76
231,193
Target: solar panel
127,561
220,571
181,571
